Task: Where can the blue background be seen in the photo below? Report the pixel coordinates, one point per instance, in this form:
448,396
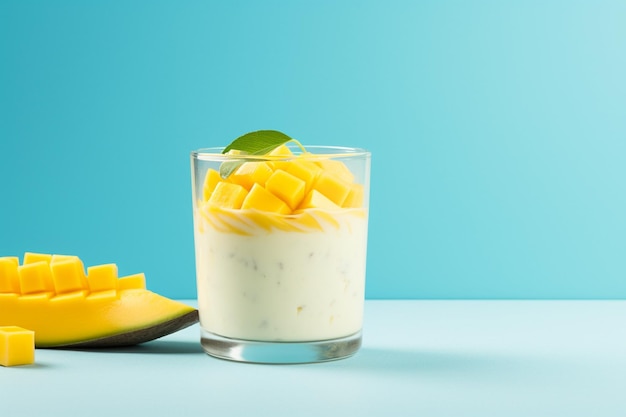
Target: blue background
497,128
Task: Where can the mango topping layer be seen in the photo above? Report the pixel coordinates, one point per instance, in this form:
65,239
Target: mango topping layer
298,193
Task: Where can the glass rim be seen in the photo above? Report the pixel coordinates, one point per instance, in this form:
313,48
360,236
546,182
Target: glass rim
314,151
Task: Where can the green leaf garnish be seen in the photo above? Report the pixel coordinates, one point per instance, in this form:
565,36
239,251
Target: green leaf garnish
260,142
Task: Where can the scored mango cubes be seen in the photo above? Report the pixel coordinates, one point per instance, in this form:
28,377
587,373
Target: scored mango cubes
284,184
9,277
35,277
68,276
102,277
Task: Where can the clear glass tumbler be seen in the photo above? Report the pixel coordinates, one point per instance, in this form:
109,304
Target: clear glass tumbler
281,283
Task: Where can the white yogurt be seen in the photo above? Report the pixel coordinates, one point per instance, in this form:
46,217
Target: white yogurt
282,285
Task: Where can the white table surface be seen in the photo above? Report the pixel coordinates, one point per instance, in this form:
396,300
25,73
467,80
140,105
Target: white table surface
419,358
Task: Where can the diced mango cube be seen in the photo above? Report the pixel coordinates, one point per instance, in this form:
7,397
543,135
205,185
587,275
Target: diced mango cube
228,195
287,187
250,173
102,277
61,258
31,258
132,282
17,346
68,276
315,199
305,170
282,151
355,196
260,199
35,278
211,179
9,277
336,168
332,187
13,259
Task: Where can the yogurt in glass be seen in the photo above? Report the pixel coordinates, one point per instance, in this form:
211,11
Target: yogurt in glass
284,284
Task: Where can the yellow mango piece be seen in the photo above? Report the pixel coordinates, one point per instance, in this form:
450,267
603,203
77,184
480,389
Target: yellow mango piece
250,173
287,187
120,316
68,276
211,179
260,199
107,295
61,258
31,258
9,277
71,319
69,297
102,277
316,200
336,168
307,171
35,278
12,259
132,282
228,195
355,197
332,187
17,346
282,151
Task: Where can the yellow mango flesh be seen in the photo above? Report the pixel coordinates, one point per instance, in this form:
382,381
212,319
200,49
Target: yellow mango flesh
80,308
211,180
102,277
68,276
9,277
307,171
274,194
333,188
287,187
261,199
282,151
228,195
17,346
251,173
336,168
315,199
355,196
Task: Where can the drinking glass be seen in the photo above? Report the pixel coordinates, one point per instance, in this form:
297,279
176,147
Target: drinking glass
282,286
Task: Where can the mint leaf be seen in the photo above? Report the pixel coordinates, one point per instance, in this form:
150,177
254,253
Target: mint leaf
260,142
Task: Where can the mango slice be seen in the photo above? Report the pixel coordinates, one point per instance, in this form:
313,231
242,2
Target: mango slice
96,309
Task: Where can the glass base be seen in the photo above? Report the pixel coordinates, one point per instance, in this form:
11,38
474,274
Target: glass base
279,352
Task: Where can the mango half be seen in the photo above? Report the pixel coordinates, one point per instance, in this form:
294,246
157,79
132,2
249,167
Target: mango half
66,307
